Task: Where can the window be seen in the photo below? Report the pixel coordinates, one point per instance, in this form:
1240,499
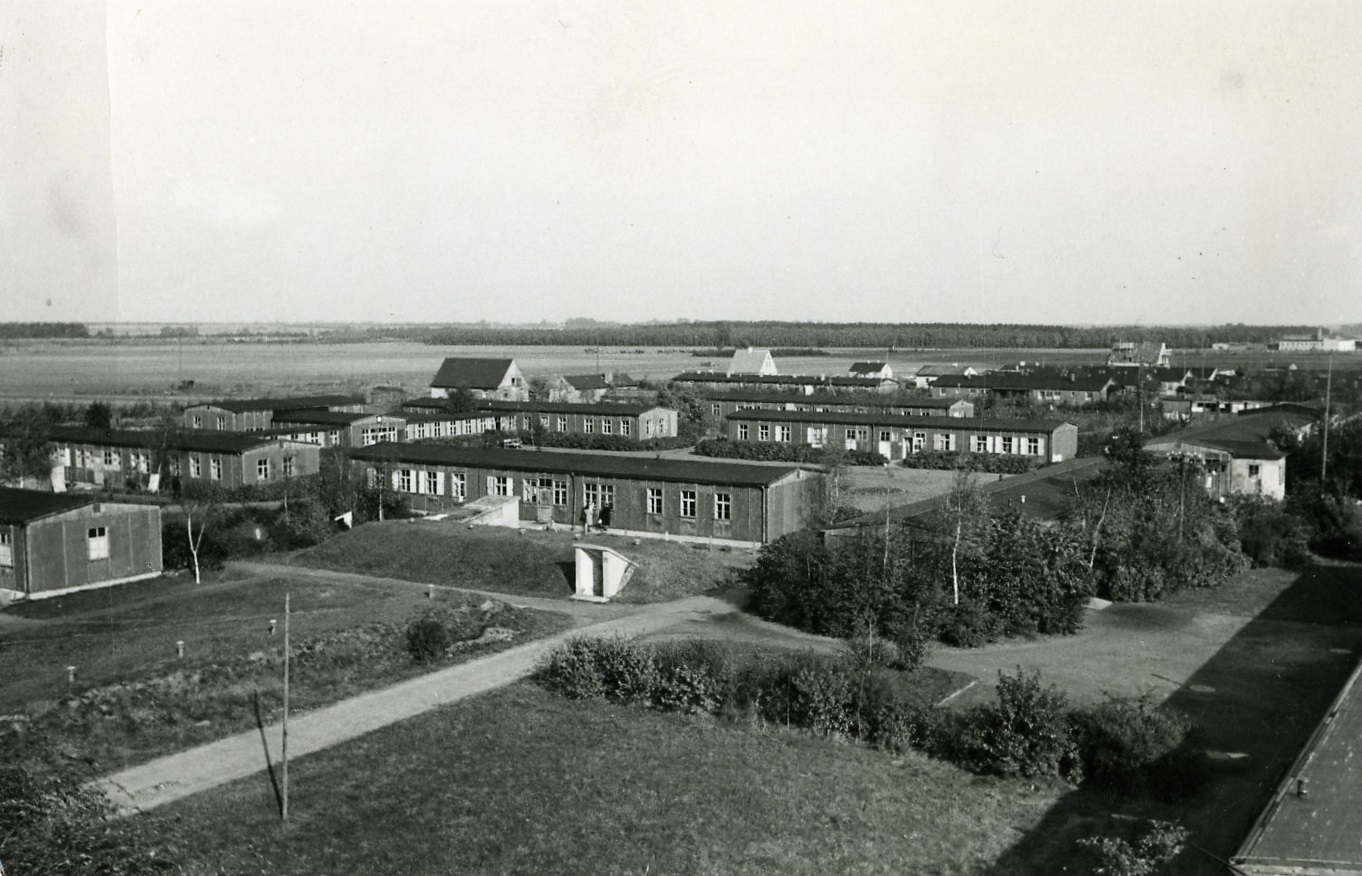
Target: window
763,432
222,422
919,441
458,485
499,485
97,543
783,433
562,424
198,421
648,428
290,466
433,484
333,438
588,425
716,409
526,423
141,461
544,422
943,441
742,431
174,466
592,493
262,469
654,500
979,443
723,506
1033,446
1007,443
6,550
607,426
215,467
111,458
1255,469
195,467
404,480
560,493
885,438
687,503
626,428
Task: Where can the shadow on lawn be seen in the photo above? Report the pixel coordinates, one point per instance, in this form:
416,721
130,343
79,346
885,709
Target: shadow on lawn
1254,704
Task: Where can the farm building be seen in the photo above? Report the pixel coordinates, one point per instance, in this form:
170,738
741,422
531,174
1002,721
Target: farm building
484,378
128,458
340,429
1132,354
924,376
721,404
740,503
588,388
895,436
626,420
875,370
54,543
752,361
806,383
1237,453
1036,389
254,414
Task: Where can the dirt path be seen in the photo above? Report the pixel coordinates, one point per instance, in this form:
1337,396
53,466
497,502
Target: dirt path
188,772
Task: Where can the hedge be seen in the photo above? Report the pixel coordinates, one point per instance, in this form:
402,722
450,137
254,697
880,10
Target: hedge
985,463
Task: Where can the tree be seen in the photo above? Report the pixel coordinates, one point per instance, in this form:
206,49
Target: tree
99,416
202,507
966,509
461,400
25,451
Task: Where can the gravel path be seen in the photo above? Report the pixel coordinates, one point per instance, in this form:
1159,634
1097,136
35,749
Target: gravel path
179,775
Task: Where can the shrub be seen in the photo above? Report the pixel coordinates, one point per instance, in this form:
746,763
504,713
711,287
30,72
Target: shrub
175,553
1155,847
427,639
1026,733
616,669
571,670
896,725
693,676
985,463
1125,741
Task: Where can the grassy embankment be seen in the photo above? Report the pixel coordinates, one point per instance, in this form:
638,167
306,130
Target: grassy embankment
134,698
523,562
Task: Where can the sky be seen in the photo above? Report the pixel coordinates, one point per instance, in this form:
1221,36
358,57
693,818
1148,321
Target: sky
1122,161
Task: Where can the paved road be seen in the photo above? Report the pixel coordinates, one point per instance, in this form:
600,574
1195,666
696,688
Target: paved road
198,769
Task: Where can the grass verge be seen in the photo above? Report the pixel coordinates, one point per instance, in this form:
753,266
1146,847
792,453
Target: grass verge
524,562
523,781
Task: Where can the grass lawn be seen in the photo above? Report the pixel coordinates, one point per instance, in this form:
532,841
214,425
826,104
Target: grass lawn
134,698
873,488
527,562
523,781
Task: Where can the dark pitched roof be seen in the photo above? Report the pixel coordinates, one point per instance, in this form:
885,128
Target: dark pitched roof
326,418
778,379
642,468
195,440
244,405
584,382
820,398
471,373
1238,449
607,409
972,424
18,507
867,366
1024,382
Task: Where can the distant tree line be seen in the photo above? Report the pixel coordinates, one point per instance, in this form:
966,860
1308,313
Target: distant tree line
869,335
18,330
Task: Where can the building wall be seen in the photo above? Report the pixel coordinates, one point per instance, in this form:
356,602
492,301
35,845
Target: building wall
222,420
723,407
655,423
749,520
89,464
1258,477
903,439
56,550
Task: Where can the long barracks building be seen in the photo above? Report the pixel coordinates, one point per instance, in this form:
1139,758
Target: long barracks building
721,404
740,503
896,436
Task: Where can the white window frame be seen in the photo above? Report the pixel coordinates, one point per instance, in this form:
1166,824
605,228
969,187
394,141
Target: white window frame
626,428
1033,446
607,426
763,432
262,468
6,549
654,500
195,467
434,484
214,468
458,485
723,506
96,543
688,504
588,425
742,431
783,433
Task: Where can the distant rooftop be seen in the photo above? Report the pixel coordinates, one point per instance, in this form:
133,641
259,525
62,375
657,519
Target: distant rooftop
18,507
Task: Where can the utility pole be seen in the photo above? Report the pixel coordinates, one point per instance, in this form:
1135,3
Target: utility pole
1324,455
283,806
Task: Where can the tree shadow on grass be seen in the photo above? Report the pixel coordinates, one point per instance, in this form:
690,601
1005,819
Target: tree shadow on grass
1253,706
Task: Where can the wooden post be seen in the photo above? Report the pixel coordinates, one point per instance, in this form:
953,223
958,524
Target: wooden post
283,808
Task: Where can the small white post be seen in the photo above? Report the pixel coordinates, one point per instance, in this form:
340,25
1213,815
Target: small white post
179,649
70,675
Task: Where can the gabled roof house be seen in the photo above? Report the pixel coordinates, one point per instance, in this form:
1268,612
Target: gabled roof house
752,361
484,378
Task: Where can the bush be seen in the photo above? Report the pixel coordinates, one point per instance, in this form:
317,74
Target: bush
1155,848
1127,744
427,639
175,553
693,676
980,462
615,669
1026,733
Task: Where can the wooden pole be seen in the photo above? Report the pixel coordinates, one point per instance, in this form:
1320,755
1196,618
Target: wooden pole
1324,452
283,808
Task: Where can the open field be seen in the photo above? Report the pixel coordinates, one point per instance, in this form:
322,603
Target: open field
873,488
526,562
93,369
133,698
